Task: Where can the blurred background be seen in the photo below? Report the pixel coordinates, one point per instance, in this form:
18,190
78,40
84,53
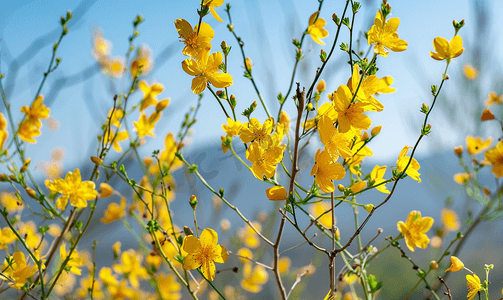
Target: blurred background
80,96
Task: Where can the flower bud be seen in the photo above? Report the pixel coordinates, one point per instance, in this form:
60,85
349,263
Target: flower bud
365,136
458,150
321,86
96,160
105,190
369,207
434,265
187,231
162,105
193,202
31,192
376,130
248,64
358,186
487,192
340,187
3,178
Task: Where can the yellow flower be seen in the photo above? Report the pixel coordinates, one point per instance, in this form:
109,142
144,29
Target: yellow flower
470,72
105,190
336,144
254,131
245,252
462,178
320,209
204,252
377,175
122,291
7,237
75,261
233,128
30,234
495,158
476,145
414,230
142,62
101,47
383,35
205,68
114,67
385,85
169,287
107,277
349,115
65,284
284,264
447,50
254,277
73,188
456,264
149,93
196,39
474,285
10,202
276,193
131,267
87,284
212,4
146,126
326,171
116,137
368,87
450,219
321,86
325,109
249,236
493,98
167,156
316,29
413,168
264,161
18,270
114,212
30,127
4,133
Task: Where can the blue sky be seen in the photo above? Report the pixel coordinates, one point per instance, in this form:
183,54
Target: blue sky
266,27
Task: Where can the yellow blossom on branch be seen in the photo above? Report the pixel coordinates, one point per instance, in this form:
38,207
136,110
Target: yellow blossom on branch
254,131
495,158
475,145
205,68
30,127
493,98
366,89
462,178
315,28
169,287
116,137
325,171
204,252
146,126
4,133
196,39
149,93
447,50
233,128
263,160
74,262
73,188
474,285
248,236
470,72
377,175
385,85
414,230
17,270
450,219
142,62
114,212
131,267
276,193
325,109
349,114
253,277
413,168
212,4
456,264
383,35
336,144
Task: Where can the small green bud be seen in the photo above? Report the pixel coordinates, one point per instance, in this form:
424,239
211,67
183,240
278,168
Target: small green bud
193,202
